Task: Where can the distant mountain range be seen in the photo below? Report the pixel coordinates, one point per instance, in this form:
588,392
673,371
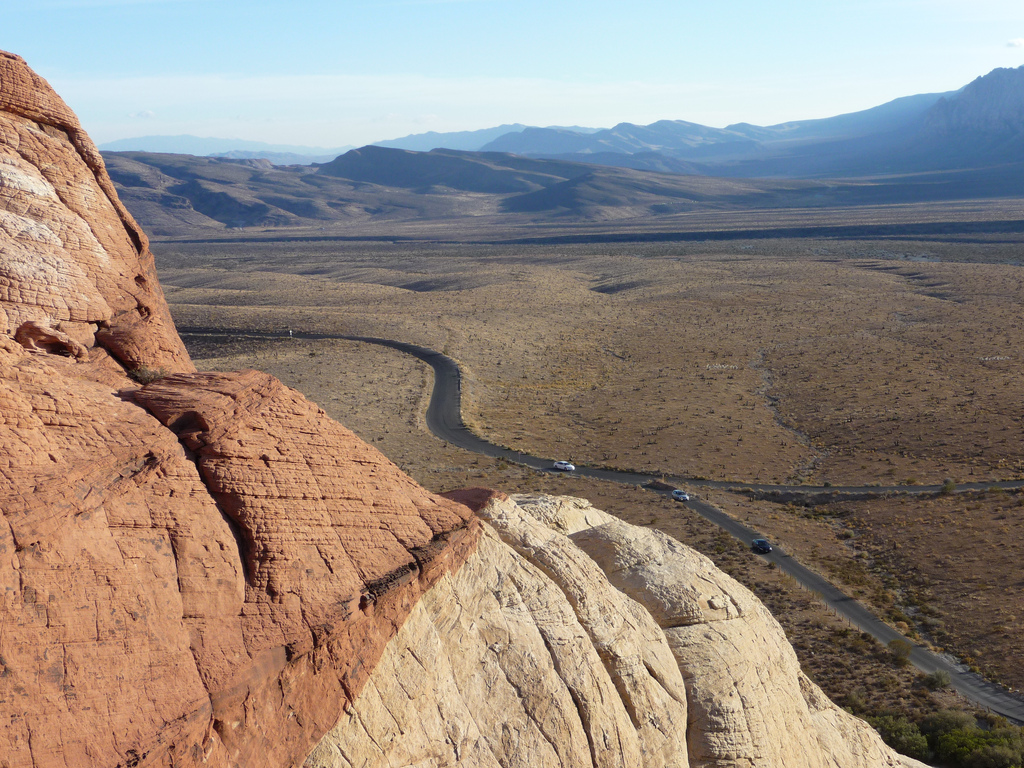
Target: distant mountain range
470,141
980,124
239,149
288,154
466,140
693,142
184,195
961,145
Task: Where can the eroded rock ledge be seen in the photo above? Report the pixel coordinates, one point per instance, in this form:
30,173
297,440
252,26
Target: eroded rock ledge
214,604
336,546
74,259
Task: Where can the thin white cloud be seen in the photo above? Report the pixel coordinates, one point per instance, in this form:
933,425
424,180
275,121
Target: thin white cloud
1017,43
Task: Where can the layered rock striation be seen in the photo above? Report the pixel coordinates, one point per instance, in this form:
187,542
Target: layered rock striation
74,260
206,570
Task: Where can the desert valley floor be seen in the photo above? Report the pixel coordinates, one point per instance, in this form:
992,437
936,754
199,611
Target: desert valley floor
818,361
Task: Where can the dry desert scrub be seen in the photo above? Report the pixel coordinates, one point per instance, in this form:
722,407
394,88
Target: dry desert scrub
954,562
848,363
720,364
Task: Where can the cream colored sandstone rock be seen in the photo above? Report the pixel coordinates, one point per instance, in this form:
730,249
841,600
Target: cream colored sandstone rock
496,665
493,668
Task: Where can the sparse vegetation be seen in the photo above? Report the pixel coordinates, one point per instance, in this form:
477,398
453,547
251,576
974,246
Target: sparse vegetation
957,740
902,735
937,680
144,375
840,365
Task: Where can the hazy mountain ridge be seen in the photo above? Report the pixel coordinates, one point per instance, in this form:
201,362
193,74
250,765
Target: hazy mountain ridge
968,144
185,144
979,124
993,104
468,140
470,172
982,123
675,138
182,193
179,194
292,154
682,140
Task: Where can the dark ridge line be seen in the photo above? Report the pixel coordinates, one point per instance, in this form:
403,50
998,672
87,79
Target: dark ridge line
171,240
931,232
444,419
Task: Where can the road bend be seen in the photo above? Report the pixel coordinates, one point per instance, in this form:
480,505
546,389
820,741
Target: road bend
444,420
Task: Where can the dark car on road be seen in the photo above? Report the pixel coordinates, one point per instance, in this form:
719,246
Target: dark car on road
761,546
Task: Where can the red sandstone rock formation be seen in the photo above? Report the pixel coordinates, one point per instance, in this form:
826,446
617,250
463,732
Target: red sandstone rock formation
336,545
204,570
73,257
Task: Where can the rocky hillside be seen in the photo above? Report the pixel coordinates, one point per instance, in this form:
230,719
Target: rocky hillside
182,194
992,105
373,188
981,123
203,569
573,639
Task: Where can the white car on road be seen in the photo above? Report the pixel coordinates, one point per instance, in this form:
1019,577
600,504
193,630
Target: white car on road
680,495
565,466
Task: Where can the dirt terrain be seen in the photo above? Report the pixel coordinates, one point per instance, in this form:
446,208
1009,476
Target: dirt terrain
380,394
841,362
843,366
955,561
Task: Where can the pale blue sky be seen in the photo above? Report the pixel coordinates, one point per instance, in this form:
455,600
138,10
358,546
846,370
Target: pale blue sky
355,71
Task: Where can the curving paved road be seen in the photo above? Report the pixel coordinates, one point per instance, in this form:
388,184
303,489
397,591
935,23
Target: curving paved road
444,419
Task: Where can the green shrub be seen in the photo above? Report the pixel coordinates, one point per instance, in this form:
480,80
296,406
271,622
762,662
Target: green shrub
994,756
145,375
957,741
937,680
946,720
975,748
856,701
902,735
900,650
